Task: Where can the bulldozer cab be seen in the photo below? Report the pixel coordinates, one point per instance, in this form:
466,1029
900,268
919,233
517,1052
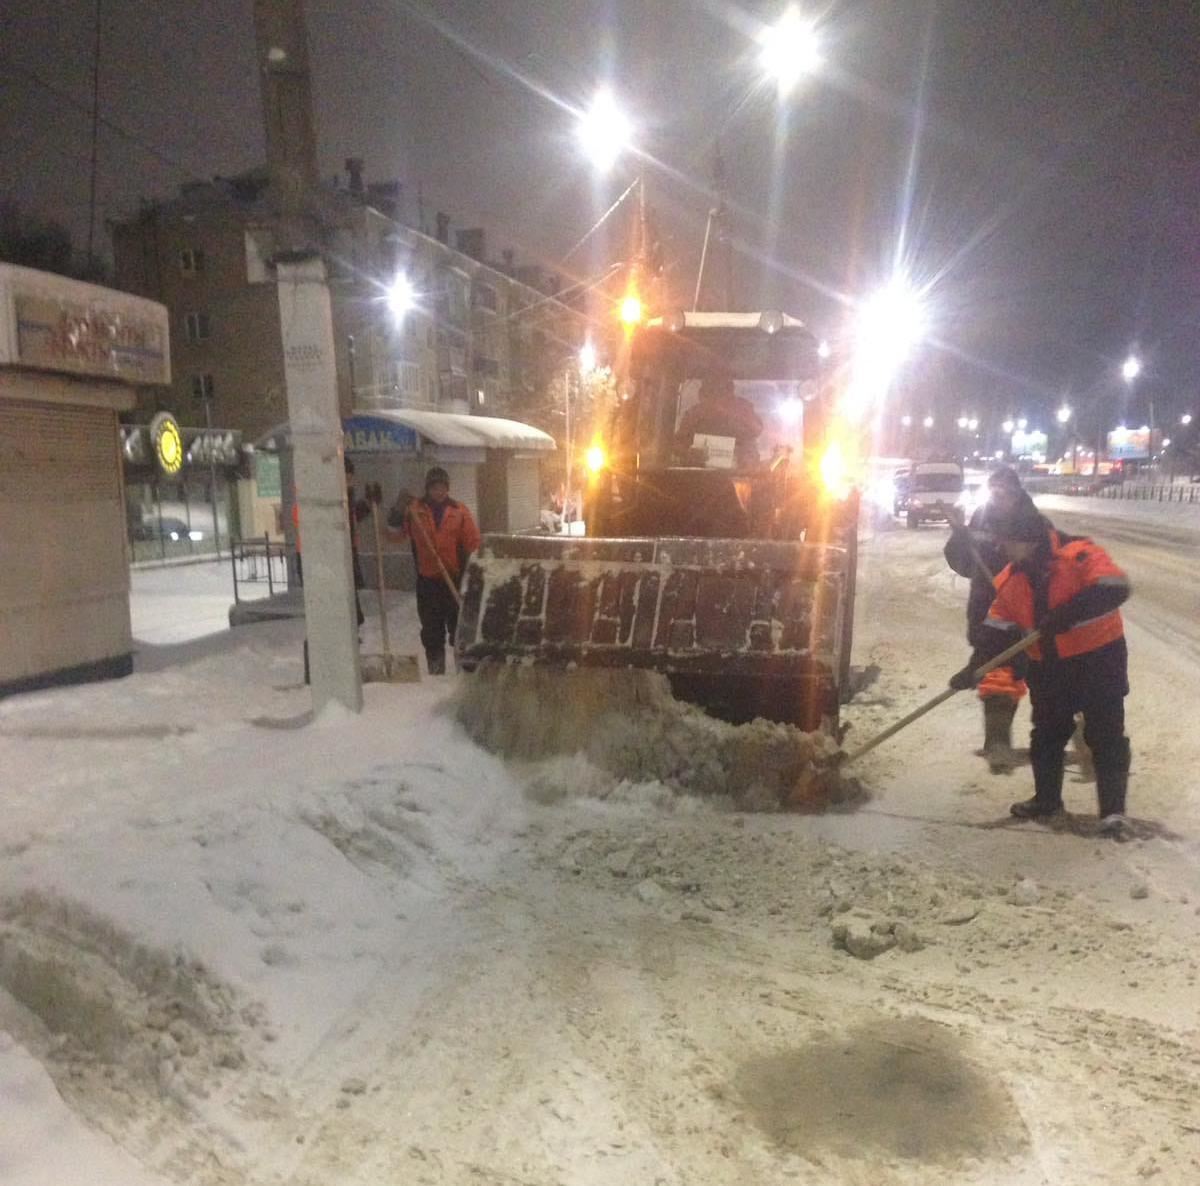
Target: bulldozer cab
715,440
714,556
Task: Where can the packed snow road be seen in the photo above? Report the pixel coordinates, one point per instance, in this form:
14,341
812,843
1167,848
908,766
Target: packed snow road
248,948
1160,543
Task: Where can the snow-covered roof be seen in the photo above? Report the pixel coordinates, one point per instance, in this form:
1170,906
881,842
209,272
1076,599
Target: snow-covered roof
703,320
456,429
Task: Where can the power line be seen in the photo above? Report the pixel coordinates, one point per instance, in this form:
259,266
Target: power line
125,134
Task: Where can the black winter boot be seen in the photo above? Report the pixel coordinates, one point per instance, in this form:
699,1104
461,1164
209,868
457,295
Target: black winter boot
1112,780
998,713
1034,808
436,662
1047,784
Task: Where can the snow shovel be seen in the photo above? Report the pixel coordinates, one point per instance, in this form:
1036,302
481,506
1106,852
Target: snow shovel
416,522
386,668
1000,660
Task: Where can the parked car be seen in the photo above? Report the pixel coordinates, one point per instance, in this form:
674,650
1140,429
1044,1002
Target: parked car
927,492
175,530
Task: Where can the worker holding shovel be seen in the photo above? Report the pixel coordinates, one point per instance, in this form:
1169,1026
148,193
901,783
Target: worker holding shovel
443,535
1068,590
972,551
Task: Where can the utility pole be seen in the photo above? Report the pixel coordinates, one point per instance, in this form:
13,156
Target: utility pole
717,233
306,326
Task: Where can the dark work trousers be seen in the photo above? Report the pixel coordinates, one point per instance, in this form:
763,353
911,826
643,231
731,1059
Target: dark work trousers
1096,685
438,612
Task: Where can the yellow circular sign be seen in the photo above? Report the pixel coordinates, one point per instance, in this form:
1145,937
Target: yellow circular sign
168,443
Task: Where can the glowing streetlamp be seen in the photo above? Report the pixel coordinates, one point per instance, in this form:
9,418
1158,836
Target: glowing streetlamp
928,421
1008,427
963,422
587,358
1131,368
604,131
1185,419
630,311
906,421
401,297
789,49
1022,424
1063,414
824,350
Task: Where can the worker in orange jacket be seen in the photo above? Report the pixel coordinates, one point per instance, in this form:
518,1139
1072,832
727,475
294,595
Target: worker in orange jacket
443,535
1069,589
973,552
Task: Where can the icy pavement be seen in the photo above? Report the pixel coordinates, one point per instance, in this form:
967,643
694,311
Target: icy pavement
241,946
181,602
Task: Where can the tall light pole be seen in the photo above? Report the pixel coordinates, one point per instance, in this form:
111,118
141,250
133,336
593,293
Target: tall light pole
1131,368
1063,415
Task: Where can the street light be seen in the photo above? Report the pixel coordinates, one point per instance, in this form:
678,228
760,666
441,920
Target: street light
963,422
1185,419
824,350
401,297
604,131
1008,427
1064,414
630,311
928,421
1022,424
1131,368
906,421
789,49
587,358
973,424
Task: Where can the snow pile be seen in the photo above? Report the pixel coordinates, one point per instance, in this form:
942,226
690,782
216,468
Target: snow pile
128,1022
626,724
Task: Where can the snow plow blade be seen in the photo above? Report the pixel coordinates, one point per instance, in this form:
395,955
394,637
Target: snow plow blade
744,628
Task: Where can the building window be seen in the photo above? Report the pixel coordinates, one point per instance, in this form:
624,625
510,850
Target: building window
197,327
191,261
260,248
485,297
202,386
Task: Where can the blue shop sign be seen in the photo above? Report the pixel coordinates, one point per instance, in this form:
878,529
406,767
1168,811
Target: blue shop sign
372,434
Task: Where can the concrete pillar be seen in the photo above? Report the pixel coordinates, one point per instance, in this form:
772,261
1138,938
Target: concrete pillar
306,321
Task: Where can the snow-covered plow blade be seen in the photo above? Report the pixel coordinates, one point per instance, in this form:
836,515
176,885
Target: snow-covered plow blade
744,628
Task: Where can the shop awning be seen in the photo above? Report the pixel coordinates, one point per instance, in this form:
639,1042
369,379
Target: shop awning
454,430
458,430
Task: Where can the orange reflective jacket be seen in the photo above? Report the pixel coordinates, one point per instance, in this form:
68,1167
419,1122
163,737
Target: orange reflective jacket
1074,566
453,540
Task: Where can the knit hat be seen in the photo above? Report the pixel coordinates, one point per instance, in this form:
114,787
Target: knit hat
1023,525
435,476
1005,475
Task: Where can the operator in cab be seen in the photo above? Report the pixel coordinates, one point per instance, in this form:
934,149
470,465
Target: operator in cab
720,412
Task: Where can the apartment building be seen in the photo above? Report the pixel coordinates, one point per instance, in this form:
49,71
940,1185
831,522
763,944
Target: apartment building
483,336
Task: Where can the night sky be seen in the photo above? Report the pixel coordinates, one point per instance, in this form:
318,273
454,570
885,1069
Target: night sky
1038,160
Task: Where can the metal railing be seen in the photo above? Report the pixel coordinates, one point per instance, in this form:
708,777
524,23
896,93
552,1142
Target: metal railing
258,562
1164,492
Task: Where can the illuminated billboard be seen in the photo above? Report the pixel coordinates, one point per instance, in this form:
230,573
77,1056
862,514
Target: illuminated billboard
1129,444
1029,444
